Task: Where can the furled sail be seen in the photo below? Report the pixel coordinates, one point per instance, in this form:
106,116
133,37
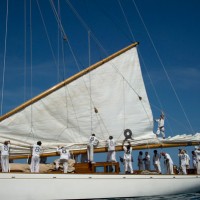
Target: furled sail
106,99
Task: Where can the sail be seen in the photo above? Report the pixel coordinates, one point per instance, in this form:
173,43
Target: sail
106,100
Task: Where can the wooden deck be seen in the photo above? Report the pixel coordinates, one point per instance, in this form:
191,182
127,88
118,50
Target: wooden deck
98,167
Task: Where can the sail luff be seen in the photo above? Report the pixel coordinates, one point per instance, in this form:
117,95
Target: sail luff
117,148
65,82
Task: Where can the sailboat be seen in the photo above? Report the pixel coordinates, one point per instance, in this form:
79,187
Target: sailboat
112,93
108,98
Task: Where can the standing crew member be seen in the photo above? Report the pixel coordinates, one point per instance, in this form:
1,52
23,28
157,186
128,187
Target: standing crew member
140,161
183,159
5,156
194,160
127,157
93,142
146,160
197,152
35,160
64,157
168,163
111,156
156,161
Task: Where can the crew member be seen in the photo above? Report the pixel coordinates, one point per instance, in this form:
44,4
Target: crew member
127,158
156,161
168,163
5,148
35,160
161,128
111,156
146,160
64,157
140,161
93,142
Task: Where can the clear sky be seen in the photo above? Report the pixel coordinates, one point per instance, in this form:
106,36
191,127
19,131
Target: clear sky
168,32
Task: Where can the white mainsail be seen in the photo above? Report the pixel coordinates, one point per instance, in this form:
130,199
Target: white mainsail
106,100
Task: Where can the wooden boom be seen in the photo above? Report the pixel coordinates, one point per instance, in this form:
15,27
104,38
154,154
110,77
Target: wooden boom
117,148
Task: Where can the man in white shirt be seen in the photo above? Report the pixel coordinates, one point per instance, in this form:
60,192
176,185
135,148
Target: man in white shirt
5,156
127,158
161,128
64,157
140,161
168,163
93,142
183,160
156,161
146,160
35,160
197,152
111,156
194,160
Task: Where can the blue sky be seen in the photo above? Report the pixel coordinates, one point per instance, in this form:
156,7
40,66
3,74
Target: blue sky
168,32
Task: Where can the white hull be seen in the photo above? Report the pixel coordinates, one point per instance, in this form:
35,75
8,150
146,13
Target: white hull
85,186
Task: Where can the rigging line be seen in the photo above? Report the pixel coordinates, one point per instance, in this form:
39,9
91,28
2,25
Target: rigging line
154,89
75,113
78,16
64,73
48,38
104,51
160,60
72,52
95,39
124,103
90,88
25,50
4,59
31,68
58,20
133,39
63,54
58,55
126,20
119,28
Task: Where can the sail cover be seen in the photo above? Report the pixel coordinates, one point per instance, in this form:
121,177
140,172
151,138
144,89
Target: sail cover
105,100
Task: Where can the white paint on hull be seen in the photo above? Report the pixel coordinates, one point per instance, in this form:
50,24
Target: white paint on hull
84,186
